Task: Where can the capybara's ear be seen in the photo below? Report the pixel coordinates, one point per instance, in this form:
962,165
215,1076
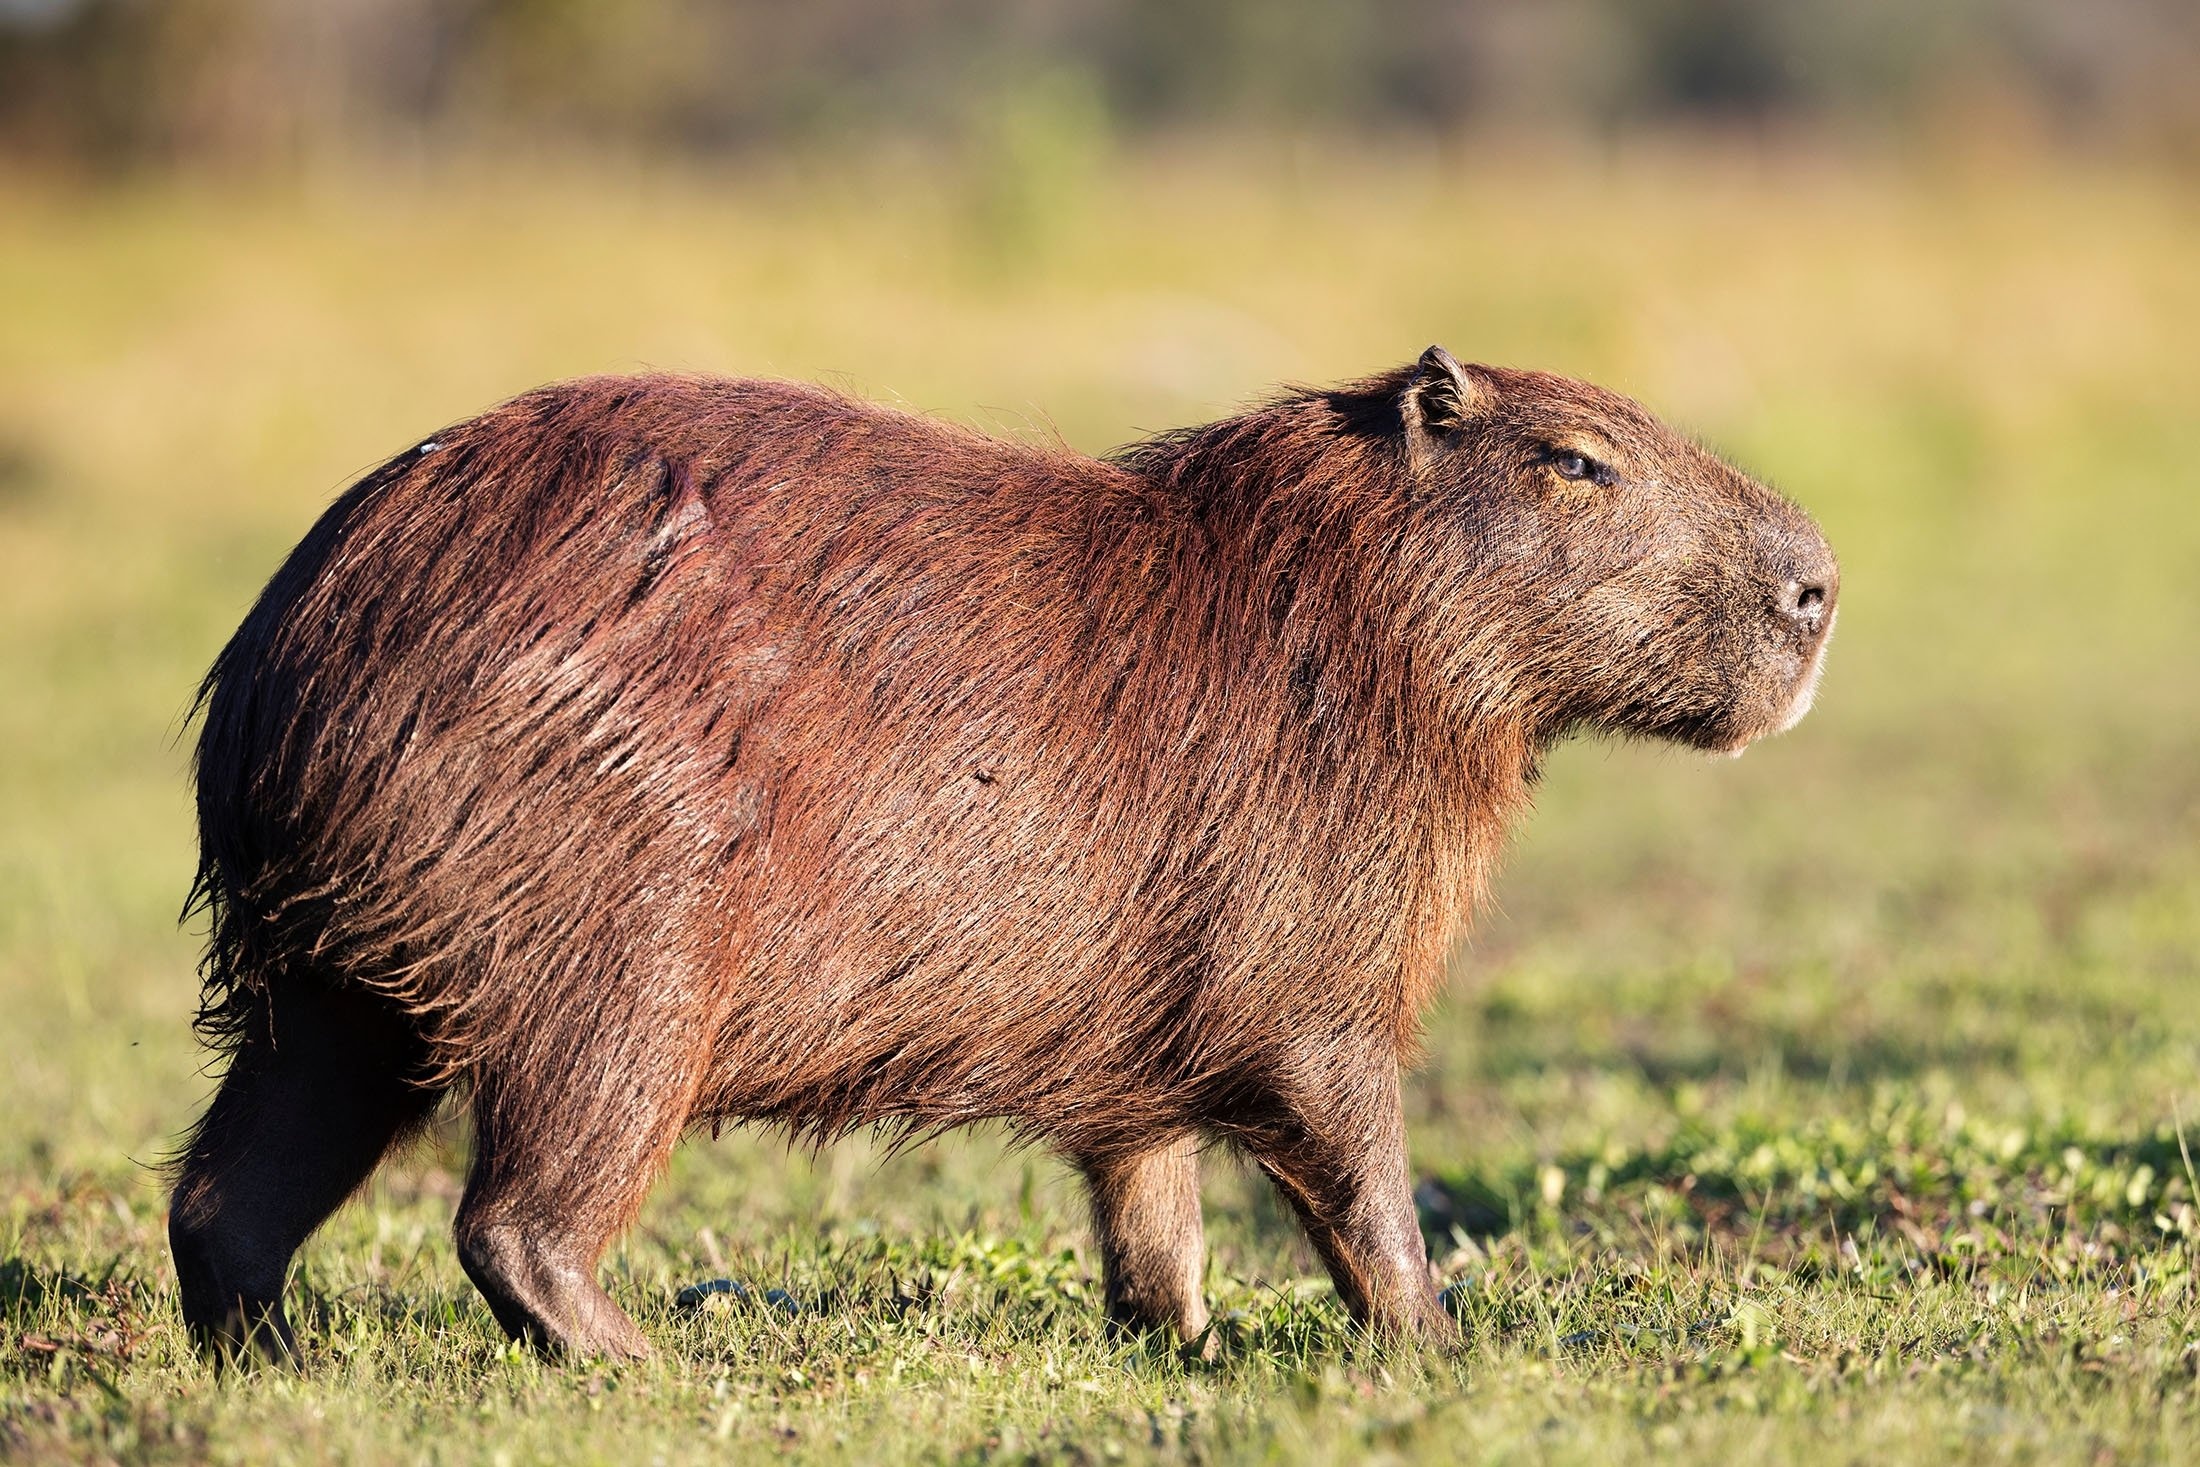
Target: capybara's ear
1440,397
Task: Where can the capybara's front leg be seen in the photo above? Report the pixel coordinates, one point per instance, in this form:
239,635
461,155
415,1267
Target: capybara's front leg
1153,1248
1344,1173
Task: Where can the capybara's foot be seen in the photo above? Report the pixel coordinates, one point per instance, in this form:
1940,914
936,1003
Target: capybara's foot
231,1299
1153,1249
244,1335
1424,1325
556,1307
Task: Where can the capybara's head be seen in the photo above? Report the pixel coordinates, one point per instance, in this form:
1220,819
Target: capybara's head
1666,593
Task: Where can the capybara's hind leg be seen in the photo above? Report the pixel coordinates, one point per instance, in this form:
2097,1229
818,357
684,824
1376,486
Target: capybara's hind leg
560,1168
311,1101
1153,1249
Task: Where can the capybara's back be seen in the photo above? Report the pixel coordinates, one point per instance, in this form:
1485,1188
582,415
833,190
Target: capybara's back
657,751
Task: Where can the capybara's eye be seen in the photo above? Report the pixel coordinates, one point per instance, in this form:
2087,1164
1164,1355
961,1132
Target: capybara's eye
1571,464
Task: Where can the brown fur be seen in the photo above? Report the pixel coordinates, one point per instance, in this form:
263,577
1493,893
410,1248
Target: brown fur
650,752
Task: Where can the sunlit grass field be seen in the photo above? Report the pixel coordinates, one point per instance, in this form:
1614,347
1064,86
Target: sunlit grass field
1828,1105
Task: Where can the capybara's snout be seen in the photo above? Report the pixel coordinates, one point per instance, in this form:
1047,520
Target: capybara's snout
1805,576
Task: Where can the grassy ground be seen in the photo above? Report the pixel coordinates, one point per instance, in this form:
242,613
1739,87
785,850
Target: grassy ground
1824,1106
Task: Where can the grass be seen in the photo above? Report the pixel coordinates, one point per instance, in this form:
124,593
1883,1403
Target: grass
1832,1105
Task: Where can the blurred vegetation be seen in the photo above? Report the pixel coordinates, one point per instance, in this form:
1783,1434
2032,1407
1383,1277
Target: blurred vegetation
106,84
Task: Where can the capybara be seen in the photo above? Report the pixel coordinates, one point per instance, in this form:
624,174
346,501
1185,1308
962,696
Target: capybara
654,752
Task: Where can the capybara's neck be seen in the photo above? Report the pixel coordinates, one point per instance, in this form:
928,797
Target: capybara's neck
1306,533
1388,738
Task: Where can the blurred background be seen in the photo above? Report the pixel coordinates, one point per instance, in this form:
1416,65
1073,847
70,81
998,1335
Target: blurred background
114,84
1932,269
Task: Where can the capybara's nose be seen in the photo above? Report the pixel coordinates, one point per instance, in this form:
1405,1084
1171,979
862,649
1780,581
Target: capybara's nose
1804,575
1807,602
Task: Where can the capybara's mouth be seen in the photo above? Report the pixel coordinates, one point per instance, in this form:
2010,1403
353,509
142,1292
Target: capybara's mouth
1802,694
1806,686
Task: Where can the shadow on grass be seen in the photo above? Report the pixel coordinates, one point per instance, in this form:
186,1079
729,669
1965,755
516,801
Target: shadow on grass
49,1312
1942,1184
1674,1029
27,1291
